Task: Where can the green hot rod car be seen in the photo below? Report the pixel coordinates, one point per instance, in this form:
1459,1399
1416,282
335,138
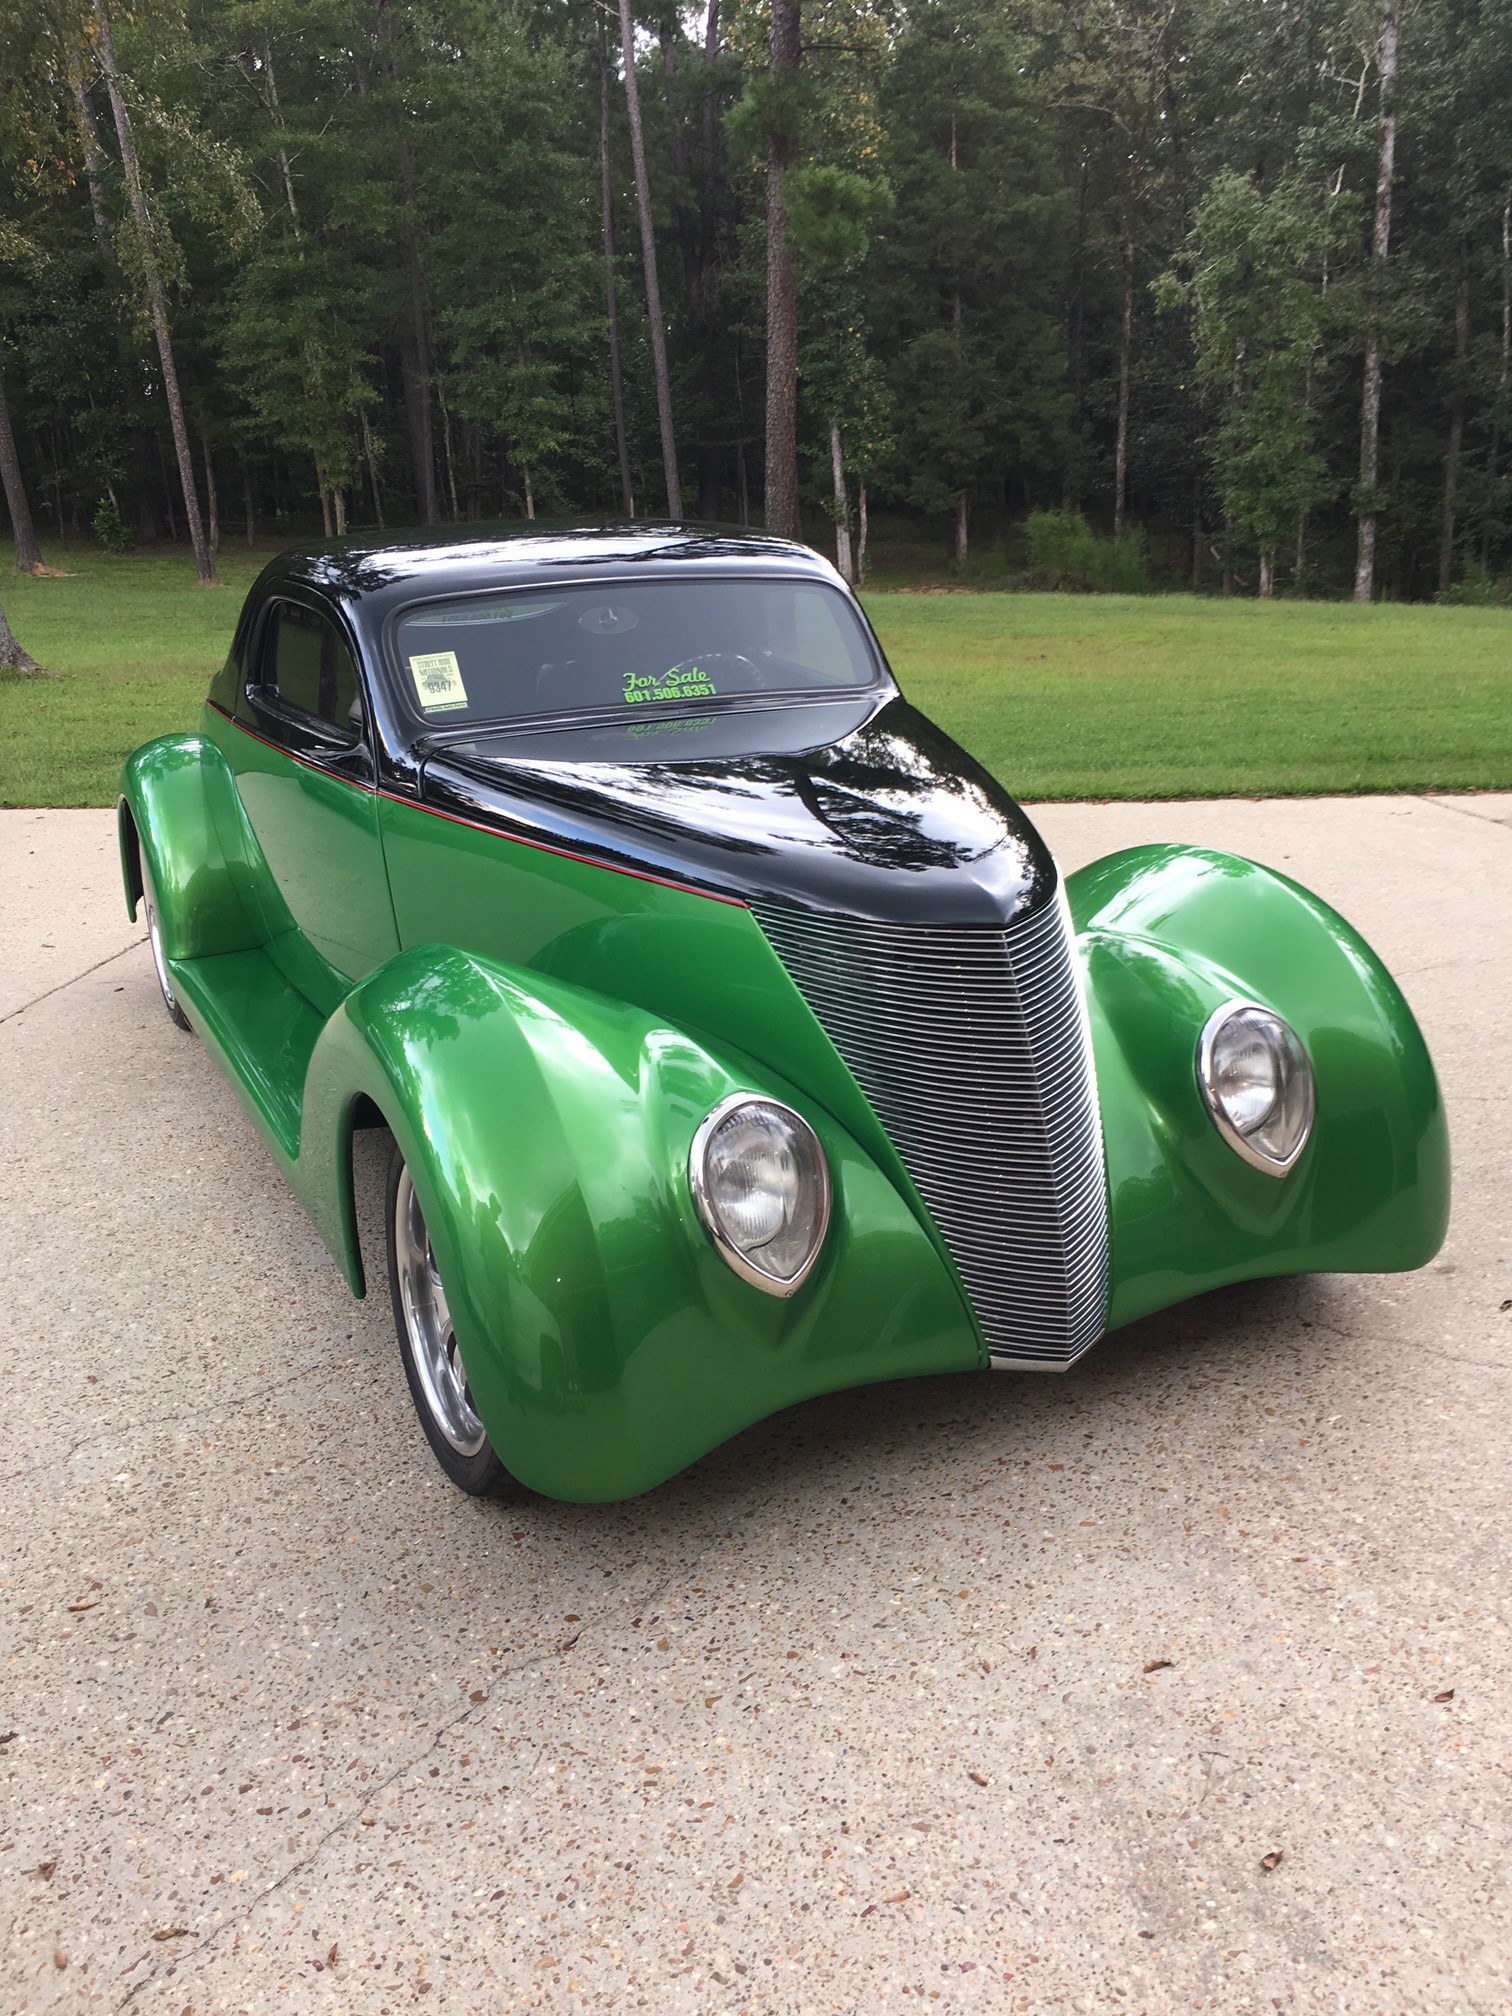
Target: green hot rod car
737,1036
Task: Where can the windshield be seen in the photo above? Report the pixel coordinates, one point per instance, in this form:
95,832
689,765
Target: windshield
627,649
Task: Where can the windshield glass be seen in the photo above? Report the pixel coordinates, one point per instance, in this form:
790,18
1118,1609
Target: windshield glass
629,649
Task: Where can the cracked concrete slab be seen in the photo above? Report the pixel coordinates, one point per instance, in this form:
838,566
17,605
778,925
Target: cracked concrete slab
976,1693
1496,805
49,942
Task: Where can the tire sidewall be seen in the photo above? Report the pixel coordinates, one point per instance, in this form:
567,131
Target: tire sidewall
171,1004
481,1475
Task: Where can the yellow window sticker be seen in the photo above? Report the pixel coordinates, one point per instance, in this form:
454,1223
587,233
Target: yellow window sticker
438,681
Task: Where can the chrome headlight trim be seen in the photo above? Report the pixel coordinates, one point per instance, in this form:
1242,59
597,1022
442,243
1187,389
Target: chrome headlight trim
1242,1145
734,1257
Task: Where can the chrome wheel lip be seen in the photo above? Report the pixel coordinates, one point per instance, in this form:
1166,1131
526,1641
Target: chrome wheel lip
439,1370
160,963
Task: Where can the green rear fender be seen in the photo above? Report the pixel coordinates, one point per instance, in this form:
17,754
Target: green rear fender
547,1132
1168,934
179,804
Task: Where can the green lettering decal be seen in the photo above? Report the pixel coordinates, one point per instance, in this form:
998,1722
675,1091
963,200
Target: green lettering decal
680,682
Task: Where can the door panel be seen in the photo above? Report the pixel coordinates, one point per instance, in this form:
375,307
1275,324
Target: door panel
311,805
319,836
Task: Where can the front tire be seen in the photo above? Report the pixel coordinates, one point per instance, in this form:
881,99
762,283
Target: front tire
428,1345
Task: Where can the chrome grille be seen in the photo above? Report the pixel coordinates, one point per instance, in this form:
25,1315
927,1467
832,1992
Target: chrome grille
970,1045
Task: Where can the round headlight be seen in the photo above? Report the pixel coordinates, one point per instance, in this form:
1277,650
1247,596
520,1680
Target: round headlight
1257,1083
761,1184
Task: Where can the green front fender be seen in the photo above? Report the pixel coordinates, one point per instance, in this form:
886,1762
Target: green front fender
178,803
1168,934
547,1131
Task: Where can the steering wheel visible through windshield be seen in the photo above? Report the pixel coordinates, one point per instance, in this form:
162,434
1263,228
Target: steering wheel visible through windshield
625,648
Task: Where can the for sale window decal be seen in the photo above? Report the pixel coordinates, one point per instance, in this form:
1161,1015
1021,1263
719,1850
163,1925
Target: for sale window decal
683,682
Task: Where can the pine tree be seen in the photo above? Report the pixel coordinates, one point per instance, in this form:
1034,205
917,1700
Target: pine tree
1380,248
971,265
1264,330
28,553
654,317
152,284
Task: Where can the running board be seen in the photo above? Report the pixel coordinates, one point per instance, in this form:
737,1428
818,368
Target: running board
262,1031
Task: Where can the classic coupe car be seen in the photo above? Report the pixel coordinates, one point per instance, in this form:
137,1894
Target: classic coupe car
737,1036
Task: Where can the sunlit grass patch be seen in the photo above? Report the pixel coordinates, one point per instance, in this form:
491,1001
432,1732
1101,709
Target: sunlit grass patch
1062,696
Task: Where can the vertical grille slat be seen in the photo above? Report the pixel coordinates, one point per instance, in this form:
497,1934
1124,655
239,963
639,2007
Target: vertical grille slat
970,1046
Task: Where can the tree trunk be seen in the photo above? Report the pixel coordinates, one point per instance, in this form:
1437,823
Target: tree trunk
275,112
959,528
446,445
248,504
782,299
1380,247
414,339
861,535
372,467
1076,319
212,496
57,486
1267,574
95,172
677,156
710,481
28,553
1240,347
157,302
842,506
529,491
710,114
742,487
1196,537
711,455
1456,429
1125,349
12,657
648,259
94,153
338,510
1493,460
611,294
414,356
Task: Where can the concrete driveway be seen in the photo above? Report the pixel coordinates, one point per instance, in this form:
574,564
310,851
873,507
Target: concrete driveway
971,1694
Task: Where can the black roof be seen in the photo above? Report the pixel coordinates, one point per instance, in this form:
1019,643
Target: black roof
377,571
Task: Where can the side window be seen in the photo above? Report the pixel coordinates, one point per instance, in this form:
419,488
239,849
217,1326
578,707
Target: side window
306,662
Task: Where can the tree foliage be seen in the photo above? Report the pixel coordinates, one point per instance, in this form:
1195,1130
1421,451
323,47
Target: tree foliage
1108,262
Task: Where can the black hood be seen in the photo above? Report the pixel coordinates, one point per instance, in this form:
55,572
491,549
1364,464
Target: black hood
842,806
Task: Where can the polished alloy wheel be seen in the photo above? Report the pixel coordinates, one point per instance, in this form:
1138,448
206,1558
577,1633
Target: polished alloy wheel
427,1320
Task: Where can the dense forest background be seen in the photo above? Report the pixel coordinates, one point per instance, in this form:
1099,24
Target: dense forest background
1213,293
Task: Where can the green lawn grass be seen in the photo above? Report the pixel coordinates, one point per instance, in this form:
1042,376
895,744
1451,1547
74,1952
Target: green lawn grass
1179,696
1063,696
132,644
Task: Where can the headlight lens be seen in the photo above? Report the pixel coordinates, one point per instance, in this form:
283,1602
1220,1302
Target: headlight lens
761,1184
1258,1084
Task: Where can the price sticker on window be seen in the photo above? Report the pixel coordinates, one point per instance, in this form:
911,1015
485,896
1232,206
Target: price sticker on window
438,681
